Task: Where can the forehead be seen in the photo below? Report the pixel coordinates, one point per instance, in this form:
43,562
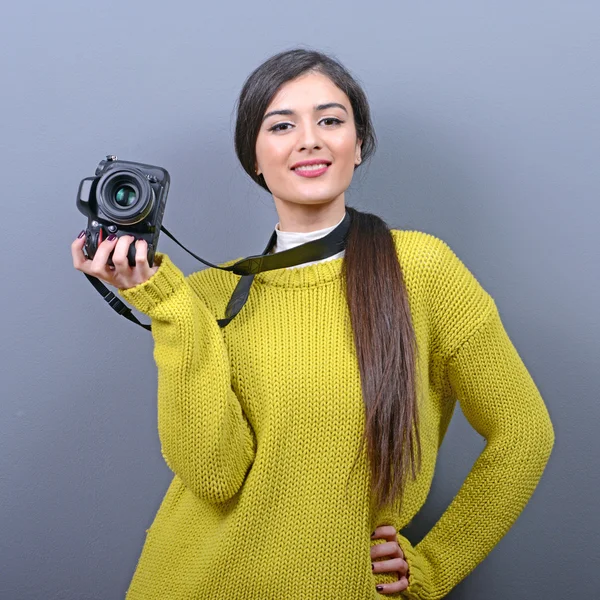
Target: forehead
306,91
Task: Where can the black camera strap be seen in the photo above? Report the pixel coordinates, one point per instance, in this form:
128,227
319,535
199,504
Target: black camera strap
328,245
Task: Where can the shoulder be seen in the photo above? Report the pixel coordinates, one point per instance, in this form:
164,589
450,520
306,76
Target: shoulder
215,286
422,250
456,300
429,254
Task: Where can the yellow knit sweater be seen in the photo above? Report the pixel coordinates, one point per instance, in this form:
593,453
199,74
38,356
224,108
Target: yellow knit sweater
260,423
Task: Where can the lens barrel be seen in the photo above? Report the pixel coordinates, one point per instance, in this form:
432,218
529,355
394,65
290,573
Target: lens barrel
125,196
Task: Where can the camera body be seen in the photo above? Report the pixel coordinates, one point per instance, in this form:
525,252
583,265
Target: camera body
124,198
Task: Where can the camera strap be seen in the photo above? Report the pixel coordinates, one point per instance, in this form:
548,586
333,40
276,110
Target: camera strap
328,245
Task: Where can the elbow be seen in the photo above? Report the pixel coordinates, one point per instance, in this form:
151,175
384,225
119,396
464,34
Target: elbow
548,438
212,484
542,432
215,493
534,442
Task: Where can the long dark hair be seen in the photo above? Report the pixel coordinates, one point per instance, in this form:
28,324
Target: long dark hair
383,332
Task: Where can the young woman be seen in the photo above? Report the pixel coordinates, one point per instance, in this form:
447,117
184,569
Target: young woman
303,436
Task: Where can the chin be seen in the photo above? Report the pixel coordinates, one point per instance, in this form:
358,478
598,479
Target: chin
318,195
312,199
308,194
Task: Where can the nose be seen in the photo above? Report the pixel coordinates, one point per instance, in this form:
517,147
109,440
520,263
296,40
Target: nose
309,138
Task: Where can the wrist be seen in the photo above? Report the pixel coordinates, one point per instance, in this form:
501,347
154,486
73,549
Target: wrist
418,570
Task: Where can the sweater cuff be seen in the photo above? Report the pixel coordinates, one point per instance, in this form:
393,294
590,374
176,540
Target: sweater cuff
418,571
162,284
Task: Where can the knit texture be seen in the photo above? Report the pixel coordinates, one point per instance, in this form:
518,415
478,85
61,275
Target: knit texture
260,423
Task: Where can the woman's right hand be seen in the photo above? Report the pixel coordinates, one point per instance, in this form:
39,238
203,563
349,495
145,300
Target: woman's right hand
122,276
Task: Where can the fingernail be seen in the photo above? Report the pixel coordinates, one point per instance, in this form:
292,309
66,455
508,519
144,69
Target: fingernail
111,237
372,566
379,588
81,234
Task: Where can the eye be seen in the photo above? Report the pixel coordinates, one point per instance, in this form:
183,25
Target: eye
336,121
329,122
278,125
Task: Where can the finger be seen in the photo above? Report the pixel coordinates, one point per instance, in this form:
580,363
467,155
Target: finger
392,588
395,565
141,256
385,531
142,268
119,257
387,549
99,268
79,258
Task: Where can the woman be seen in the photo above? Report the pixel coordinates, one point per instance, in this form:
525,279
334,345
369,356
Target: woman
303,436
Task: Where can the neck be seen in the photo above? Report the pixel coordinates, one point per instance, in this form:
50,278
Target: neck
306,218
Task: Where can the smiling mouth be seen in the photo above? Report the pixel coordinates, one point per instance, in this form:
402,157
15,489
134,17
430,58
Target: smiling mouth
314,167
311,171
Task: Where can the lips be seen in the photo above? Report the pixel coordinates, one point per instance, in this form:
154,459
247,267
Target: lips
311,161
312,171
313,167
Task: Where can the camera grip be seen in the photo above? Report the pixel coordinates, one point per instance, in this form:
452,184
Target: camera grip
132,251
131,255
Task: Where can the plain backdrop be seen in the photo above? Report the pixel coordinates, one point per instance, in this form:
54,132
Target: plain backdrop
489,138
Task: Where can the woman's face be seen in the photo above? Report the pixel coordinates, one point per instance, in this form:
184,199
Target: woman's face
317,123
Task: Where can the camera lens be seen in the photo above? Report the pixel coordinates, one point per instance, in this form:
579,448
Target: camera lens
125,196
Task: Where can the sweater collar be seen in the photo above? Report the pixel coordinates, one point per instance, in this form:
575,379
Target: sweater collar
303,276
307,275
318,273
312,275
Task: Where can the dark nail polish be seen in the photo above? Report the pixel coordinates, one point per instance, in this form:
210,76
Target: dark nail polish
81,235
372,566
111,237
379,588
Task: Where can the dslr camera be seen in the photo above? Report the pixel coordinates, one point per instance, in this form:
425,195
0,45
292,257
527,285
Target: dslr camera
124,198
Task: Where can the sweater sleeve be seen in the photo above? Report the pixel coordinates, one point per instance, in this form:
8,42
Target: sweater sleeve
500,400
205,436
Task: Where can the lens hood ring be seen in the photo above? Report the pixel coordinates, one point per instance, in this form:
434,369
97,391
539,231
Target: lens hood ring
116,179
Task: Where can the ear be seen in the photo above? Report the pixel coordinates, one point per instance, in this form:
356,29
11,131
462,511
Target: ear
357,153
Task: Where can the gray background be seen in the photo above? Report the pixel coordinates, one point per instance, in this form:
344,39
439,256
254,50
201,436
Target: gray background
487,117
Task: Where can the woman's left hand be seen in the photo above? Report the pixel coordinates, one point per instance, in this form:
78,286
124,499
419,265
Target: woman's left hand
396,564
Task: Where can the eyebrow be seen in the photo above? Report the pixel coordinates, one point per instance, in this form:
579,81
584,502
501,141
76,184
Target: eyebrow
318,107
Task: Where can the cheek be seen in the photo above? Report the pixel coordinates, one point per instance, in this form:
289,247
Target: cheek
346,155
346,148
270,151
